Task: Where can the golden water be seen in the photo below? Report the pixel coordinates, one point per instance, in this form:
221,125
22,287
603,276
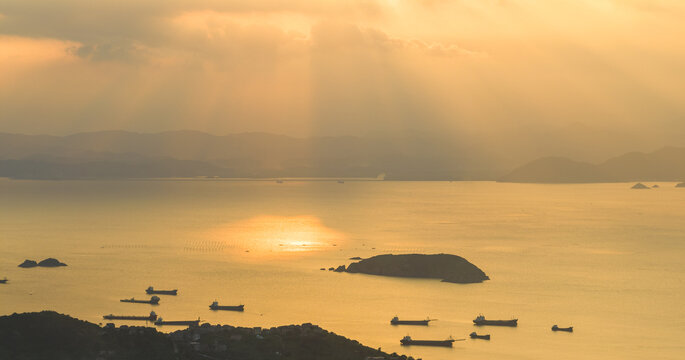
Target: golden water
600,257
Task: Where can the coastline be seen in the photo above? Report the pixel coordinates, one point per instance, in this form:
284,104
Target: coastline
48,334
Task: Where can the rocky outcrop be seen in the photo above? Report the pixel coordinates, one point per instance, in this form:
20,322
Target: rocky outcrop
448,268
640,186
28,264
49,262
681,185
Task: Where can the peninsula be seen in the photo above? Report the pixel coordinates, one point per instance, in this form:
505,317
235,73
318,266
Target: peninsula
448,268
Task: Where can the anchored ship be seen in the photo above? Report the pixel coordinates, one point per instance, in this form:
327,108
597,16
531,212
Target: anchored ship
153,301
215,306
161,321
567,329
480,320
407,340
397,321
151,317
150,290
473,335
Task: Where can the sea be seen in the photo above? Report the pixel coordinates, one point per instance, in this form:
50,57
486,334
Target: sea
603,258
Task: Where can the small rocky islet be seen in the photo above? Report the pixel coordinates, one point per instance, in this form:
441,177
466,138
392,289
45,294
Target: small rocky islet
447,267
49,262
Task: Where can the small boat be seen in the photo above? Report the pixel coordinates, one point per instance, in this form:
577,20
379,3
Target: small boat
407,340
153,301
279,181
397,321
150,290
3,281
151,317
567,329
215,306
473,335
160,322
480,320
341,182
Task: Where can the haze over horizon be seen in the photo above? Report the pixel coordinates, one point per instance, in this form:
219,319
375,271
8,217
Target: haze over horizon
360,167
543,76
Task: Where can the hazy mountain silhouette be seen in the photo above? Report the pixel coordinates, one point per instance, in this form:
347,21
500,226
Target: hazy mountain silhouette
667,164
121,154
416,156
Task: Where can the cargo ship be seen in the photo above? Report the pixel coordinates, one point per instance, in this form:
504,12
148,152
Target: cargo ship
153,301
407,340
397,321
480,320
161,321
567,329
473,335
150,290
215,306
3,281
151,317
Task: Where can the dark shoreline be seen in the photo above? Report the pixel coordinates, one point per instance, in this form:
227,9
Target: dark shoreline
50,335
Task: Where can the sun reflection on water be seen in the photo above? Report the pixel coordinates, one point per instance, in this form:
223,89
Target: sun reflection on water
266,234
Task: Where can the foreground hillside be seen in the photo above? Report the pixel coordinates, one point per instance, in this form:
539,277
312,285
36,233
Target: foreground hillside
49,335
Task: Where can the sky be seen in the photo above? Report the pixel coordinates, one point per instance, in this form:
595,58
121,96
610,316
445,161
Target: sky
491,68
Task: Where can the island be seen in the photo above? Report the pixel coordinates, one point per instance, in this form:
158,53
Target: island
49,262
50,335
640,186
447,267
680,185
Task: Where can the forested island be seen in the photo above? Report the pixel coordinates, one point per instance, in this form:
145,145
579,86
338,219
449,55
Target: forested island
447,267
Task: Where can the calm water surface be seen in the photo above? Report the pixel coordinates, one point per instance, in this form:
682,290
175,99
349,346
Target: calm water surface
601,257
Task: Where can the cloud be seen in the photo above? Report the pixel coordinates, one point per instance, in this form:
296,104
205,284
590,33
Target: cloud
340,67
111,51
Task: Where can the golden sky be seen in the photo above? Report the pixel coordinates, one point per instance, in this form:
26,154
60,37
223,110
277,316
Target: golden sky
310,67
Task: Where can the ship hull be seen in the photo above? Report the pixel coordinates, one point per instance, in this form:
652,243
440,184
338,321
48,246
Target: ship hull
123,317
482,337
228,308
179,323
568,329
443,343
162,292
409,322
140,301
496,322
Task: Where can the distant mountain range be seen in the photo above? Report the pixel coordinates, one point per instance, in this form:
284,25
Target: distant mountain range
121,154
667,164
192,154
